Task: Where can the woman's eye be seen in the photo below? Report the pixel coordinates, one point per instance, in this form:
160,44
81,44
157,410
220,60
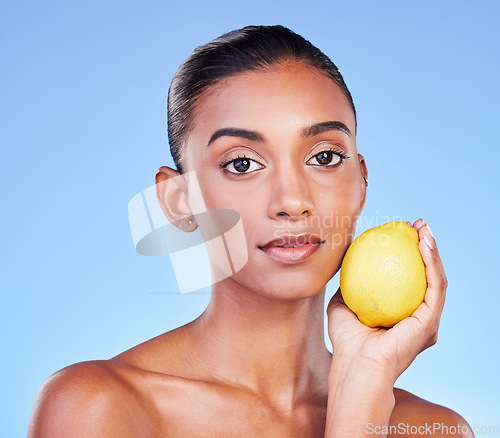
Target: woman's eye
241,165
325,158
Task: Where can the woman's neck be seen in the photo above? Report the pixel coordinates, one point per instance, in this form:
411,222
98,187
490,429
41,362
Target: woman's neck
272,347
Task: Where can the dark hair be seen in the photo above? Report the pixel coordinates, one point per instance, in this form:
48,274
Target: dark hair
250,48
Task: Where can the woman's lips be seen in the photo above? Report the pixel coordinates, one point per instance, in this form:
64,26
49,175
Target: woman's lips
292,249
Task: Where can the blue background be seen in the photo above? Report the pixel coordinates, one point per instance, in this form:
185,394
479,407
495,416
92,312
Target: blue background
82,93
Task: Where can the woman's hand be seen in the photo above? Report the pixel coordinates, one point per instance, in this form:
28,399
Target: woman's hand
393,349
367,361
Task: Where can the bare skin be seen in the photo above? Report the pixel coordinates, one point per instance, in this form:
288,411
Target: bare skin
254,364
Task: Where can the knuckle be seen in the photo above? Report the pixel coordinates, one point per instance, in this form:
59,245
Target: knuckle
432,331
434,338
331,306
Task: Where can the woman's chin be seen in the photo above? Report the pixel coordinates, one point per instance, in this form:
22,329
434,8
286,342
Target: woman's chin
284,286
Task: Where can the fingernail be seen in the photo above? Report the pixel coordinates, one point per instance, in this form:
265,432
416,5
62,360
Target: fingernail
427,240
423,222
429,228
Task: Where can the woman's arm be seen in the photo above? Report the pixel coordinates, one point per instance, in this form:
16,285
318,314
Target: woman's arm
357,397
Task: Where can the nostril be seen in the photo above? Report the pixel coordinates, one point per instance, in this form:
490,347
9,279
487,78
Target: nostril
284,213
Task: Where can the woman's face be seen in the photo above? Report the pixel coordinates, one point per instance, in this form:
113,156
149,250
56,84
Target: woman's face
279,147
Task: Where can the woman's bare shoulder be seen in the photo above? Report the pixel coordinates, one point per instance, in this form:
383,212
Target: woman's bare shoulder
413,415
115,397
85,399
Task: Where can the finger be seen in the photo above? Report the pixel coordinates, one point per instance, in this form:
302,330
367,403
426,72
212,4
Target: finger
336,301
436,288
426,233
424,229
418,224
337,307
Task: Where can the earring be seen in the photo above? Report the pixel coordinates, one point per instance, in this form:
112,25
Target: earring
190,221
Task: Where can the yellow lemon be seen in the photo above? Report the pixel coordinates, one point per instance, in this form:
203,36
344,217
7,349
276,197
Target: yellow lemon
382,278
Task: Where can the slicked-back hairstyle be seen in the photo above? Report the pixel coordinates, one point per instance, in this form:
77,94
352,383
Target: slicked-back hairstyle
252,48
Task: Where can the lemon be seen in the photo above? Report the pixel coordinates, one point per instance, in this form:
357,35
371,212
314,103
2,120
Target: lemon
382,278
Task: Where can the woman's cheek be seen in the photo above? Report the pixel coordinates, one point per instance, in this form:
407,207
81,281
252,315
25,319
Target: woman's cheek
339,223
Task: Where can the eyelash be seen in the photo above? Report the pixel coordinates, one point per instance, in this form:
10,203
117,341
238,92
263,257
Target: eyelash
224,164
340,153
239,157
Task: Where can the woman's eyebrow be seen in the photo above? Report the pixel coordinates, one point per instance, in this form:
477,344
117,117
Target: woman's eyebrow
309,131
236,132
319,128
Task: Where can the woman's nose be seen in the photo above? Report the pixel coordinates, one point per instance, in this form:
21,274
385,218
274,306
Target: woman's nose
290,197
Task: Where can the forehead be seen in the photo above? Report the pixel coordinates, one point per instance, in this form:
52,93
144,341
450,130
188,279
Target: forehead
287,97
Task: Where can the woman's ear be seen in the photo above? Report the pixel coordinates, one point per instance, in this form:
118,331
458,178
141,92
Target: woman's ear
364,181
172,195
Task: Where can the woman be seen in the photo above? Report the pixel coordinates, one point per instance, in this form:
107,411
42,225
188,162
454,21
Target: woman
266,124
